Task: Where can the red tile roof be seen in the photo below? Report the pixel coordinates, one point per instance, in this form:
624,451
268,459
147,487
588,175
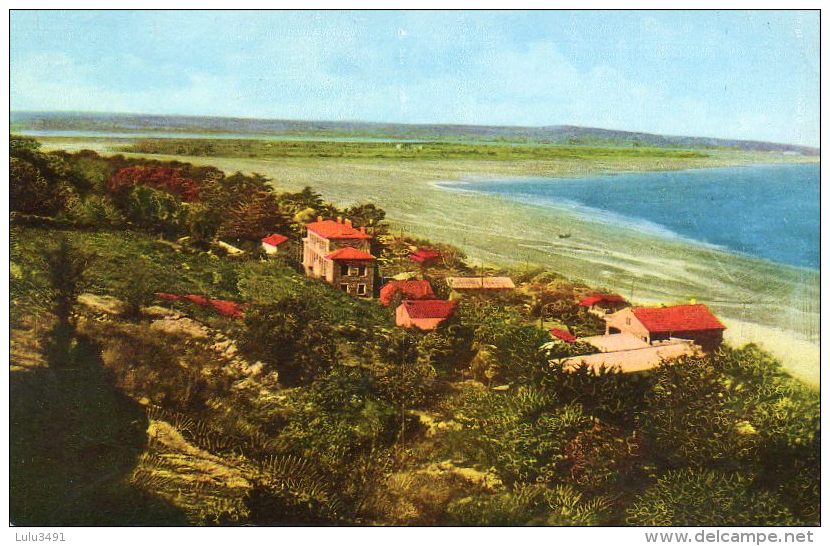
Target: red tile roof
411,290
275,239
331,229
349,253
227,308
223,307
678,318
427,309
424,255
563,335
593,299
197,299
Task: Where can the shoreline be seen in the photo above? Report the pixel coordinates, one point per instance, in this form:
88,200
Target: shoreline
765,297
612,218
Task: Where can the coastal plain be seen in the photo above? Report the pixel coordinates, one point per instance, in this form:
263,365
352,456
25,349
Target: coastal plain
774,305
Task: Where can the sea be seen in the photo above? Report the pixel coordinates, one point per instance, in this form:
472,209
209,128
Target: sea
766,211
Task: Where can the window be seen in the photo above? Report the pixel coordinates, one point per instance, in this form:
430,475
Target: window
354,271
361,289
628,320
344,269
344,287
361,271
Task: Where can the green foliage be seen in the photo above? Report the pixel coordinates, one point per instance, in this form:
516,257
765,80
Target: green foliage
252,219
66,266
733,439
289,336
291,492
705,498
392,150
512,347
139,289
522,434
94,211
612,396
337,420
154,210
530,505
34,185
557,349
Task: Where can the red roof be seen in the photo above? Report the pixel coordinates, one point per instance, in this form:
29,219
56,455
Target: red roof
428,309
678,318
223,307
563,335
593,299
275,239
349,253
227,308
424,255
197,299
331,229
411,290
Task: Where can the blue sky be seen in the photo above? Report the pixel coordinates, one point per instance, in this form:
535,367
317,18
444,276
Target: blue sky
724,74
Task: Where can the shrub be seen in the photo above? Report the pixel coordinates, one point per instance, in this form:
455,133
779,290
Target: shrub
705,498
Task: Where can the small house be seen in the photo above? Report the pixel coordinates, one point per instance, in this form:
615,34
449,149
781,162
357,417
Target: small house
600,304
409,289
425,256
695,323
273,243
423,314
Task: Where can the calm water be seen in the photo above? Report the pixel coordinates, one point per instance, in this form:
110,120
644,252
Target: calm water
768,211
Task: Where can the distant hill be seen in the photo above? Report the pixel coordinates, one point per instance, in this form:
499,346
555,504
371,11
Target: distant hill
554,134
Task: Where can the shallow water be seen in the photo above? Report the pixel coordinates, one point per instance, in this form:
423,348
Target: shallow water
767,211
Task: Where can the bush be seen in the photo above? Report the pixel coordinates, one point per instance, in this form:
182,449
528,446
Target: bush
530,505
704,498
288,336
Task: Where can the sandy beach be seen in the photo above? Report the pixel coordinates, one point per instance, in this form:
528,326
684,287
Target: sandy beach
773,305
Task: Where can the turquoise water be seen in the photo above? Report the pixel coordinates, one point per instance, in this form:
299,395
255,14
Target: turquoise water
767,211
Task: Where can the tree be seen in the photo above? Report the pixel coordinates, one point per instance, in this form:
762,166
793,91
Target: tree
202,223
137,289
94,211
66,267
165,179
405,379
154,210
252,219
288,336
37,182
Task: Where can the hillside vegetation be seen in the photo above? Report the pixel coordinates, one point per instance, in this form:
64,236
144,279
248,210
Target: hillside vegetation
392,150
314,409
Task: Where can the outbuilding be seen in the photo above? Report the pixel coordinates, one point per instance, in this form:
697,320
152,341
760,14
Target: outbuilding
273,243
695,323
423,314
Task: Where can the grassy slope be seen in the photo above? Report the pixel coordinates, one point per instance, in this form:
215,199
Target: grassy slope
781,302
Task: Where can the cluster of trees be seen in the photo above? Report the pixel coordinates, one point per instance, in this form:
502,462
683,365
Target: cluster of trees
171,199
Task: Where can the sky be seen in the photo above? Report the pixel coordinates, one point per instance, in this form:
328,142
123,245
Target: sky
732,74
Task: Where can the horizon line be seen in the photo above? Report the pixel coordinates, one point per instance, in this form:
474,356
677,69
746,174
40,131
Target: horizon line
411,124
